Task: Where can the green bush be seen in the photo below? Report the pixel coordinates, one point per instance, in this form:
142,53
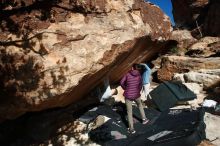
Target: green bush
174,49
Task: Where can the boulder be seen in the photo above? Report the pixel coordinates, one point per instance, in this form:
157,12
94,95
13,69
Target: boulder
195,87
212,22
201,78
53,53
200,16
184,39
179,77
212,128
185,12
205,47
181,64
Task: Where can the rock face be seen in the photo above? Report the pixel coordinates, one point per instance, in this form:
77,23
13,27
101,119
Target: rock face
212,22
53,53
185,12
180,64
205,78
205,47
203,12
184,39
212,128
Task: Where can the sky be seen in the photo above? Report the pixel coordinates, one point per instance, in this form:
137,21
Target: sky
166,6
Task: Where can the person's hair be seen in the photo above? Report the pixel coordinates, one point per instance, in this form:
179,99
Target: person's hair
150,65
136,66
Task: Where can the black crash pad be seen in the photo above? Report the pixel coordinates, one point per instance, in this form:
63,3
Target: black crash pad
169,128
167,94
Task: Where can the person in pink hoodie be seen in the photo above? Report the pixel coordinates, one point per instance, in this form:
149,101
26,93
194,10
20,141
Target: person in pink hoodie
132,84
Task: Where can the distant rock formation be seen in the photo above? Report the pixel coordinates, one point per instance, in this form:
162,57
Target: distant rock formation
197,70
198,15
53,53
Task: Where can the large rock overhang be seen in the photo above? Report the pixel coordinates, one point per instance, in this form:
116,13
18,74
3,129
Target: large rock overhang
56,64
